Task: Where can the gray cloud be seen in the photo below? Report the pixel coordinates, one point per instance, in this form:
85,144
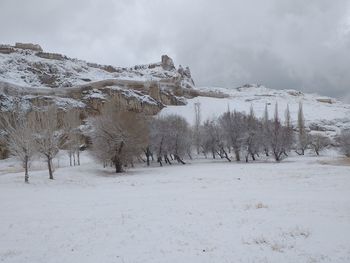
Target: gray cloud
296,44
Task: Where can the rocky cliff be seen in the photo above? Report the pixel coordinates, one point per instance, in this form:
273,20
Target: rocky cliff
32,76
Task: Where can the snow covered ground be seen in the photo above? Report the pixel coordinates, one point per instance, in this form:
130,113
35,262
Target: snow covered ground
204,211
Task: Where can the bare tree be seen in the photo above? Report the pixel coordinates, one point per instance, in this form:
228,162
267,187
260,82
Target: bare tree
318,142
197,124
118,136
253,136
170,137
288,133
48,137
71,123
158,134
211,138
266,131
178,137
18,130
280,142
303,137
344,140
233,126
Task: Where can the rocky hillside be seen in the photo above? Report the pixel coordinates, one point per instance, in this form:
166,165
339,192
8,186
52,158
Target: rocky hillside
32,76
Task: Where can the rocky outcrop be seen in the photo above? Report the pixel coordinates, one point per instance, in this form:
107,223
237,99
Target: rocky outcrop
27,65
325,100
6,49
54,56
167,63
30,46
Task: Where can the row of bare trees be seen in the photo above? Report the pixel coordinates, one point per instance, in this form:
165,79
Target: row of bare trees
246,136
120,138
40,133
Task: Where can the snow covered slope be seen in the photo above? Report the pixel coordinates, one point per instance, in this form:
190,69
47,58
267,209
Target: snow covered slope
321,113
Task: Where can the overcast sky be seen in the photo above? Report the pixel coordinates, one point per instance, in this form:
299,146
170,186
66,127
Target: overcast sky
299,44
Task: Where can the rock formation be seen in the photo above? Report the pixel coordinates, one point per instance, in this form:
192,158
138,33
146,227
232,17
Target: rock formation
167,63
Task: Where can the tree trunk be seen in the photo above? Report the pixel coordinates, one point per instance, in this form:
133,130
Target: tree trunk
179,159
159,160
166,158
70,158
266,152
238,157
226,155
148,155
298,153
49,165
118,166
78,155
253,156
26,175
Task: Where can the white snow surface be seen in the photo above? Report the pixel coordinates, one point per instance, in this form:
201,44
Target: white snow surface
333,117
204,211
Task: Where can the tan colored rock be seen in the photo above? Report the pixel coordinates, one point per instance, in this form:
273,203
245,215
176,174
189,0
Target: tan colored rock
29,46
6,49
53,56
325,100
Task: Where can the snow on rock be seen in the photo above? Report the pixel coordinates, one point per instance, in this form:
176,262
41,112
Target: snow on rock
27,65
26,70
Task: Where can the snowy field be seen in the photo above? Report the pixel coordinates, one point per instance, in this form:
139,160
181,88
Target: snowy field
205,211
